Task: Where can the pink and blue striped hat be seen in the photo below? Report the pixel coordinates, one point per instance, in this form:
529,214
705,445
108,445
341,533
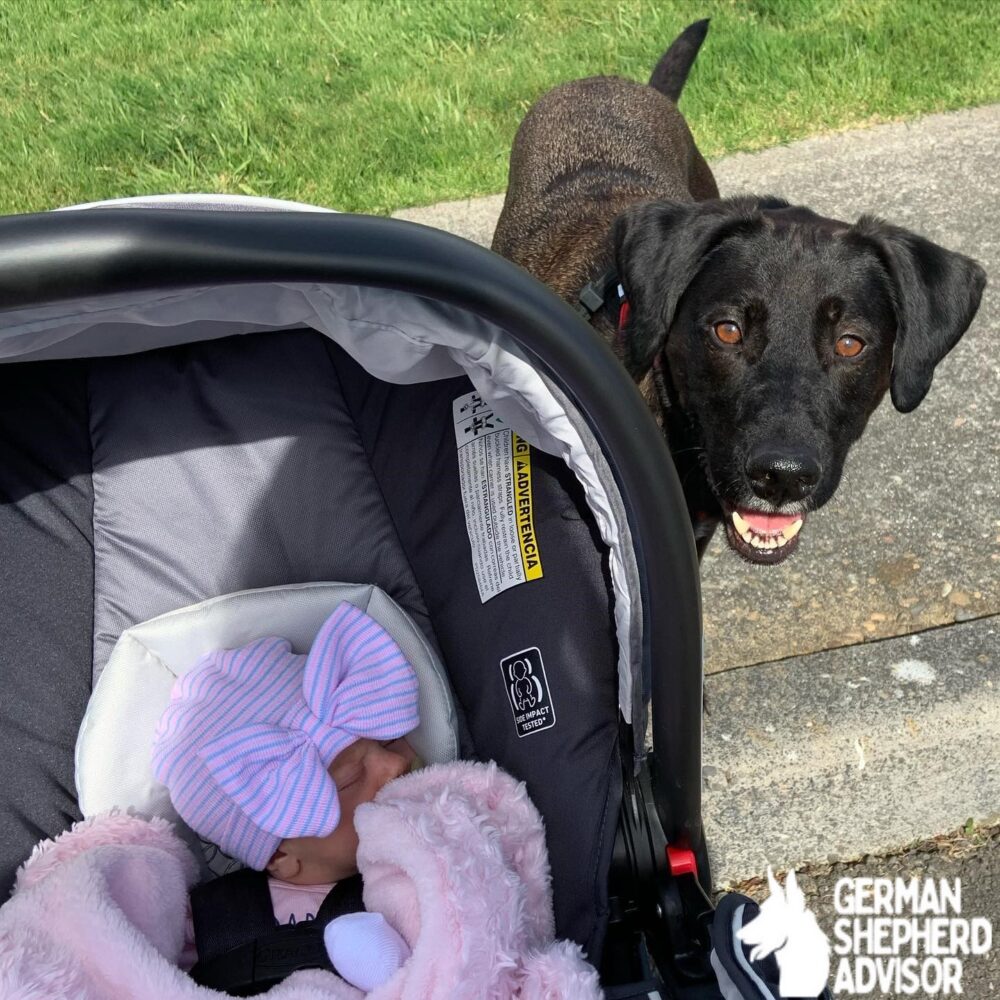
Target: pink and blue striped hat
245,743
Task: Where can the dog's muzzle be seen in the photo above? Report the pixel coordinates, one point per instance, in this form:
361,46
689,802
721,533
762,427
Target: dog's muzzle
760,537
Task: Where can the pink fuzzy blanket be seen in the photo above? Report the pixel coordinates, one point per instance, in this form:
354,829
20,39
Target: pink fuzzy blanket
453,856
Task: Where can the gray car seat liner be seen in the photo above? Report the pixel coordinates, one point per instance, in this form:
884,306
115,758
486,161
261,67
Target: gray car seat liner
566,616
229,465
47,594
133,486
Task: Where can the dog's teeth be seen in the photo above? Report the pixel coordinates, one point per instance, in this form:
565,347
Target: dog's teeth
764,542
792,530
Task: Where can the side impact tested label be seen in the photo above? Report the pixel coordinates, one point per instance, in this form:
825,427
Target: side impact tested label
494,468
528,690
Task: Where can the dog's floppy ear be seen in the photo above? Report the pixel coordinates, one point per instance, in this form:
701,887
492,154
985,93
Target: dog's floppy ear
659,248
935,292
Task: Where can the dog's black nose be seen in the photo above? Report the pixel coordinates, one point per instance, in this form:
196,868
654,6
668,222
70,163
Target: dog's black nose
782,477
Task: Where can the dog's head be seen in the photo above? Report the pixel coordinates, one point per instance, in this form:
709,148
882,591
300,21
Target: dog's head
778,332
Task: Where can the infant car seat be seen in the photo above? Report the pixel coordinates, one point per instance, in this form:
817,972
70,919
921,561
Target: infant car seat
200,397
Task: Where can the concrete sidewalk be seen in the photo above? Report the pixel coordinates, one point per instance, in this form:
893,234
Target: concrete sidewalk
855,690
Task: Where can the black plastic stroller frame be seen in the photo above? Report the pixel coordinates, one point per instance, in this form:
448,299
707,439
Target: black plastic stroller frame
657,938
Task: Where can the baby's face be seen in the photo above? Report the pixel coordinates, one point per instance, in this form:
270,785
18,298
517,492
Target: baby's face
359,772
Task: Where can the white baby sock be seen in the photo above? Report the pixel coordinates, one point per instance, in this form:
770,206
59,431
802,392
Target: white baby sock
364,949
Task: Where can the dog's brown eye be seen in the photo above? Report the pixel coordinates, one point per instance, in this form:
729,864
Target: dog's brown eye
728,332
848,346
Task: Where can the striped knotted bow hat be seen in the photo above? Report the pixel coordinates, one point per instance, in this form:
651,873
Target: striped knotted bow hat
246,741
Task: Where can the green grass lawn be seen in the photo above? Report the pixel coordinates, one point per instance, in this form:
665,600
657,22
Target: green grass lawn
371,106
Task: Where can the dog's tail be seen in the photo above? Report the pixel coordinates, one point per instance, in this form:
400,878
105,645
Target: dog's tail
672,70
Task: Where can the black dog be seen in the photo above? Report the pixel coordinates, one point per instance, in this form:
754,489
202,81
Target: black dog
763,335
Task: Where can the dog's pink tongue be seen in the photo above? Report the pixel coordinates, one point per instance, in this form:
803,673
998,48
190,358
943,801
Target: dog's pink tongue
769,524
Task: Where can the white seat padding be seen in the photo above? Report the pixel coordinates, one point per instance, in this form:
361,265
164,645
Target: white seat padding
115,745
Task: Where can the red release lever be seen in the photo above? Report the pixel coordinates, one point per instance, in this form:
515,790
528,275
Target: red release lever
682,861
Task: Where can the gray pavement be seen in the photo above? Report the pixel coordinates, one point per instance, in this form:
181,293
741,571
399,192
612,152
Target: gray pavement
855,689
853,751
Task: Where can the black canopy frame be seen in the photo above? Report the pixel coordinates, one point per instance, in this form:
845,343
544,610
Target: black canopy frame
54,257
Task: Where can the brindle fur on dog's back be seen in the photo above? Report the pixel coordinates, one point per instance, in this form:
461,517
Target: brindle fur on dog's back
585,152
762,334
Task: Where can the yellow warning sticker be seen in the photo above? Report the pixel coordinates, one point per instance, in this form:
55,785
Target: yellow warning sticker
494,468
530,557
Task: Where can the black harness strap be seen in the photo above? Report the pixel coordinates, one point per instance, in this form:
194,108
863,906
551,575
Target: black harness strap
606,292
242,950
344,897
597,294
229,911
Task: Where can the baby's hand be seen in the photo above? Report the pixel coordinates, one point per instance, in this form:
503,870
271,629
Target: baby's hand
364,949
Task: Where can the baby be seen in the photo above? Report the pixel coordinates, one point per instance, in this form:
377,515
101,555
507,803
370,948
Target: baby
273,756
267,754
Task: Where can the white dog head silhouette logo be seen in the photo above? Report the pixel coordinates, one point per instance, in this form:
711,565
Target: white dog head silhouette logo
785,927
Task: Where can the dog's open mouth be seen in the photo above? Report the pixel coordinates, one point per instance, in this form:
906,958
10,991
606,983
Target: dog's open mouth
762,538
